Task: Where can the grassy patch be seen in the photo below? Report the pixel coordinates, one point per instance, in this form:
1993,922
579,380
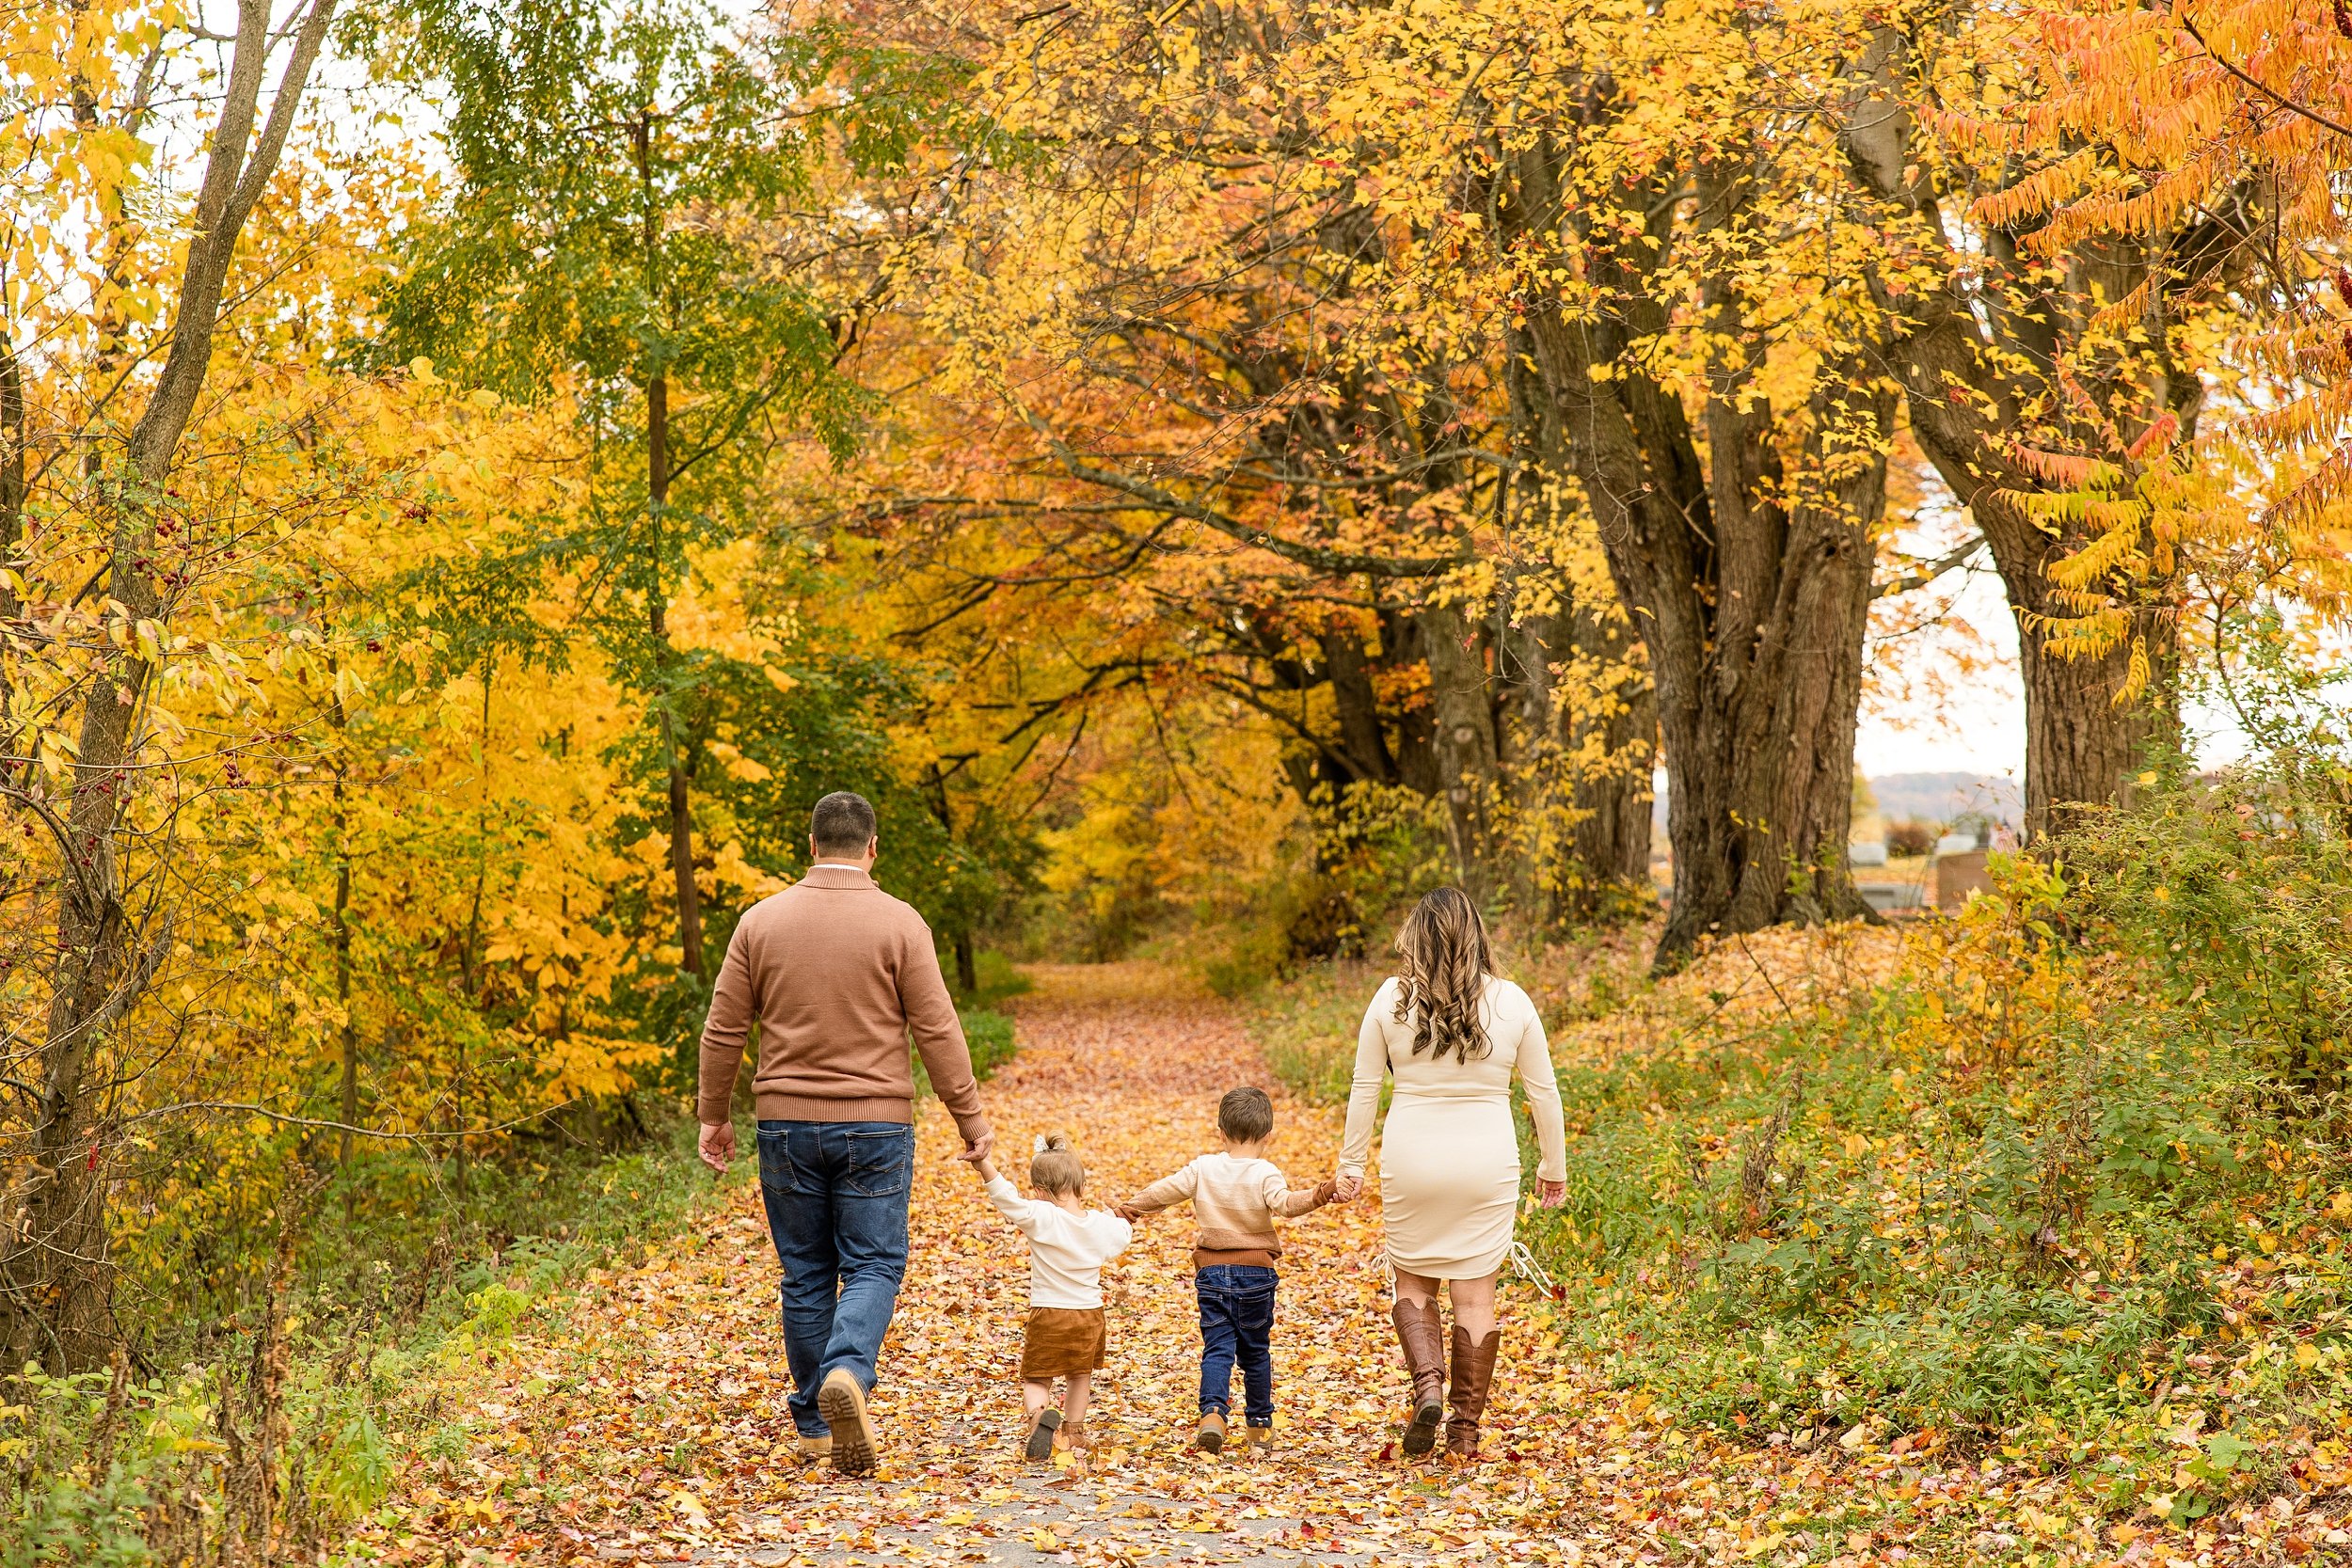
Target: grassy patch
1306,1028
990,1036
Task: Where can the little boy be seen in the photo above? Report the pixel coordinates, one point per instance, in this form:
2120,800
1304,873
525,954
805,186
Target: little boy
1235,1196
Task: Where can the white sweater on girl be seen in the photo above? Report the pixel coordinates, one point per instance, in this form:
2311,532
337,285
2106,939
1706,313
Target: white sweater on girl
1067,1251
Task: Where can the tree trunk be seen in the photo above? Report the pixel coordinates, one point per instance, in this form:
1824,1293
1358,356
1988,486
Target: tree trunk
1751,586
1578,716
967,965
1612,833
689,897
2083,747
12,479
1462,716
54,1277
1357,705
348,1099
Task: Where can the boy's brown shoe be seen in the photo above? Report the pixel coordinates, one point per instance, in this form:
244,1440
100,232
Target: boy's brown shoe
1041,1444
1211,1437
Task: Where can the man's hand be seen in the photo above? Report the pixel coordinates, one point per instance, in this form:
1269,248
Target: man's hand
975,1152
1551,1195
1126,1213
1347,1188
717,1147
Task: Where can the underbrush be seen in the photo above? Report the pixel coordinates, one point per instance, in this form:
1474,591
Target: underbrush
2063,1182
281,1425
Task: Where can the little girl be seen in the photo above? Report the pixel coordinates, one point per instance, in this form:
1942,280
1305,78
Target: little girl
1069,1244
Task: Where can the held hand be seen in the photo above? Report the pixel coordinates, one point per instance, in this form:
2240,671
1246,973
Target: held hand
986,1169
1347,1188
717,1145
976,1151
1551,1195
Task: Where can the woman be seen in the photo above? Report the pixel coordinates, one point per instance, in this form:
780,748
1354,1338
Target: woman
1453,1035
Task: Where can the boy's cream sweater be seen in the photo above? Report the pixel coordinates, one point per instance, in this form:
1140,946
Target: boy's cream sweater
1235,1201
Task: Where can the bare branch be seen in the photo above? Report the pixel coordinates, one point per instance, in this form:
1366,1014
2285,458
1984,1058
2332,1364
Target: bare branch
1927,572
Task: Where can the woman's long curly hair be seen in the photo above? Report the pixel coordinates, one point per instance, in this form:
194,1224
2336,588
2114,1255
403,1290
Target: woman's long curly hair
1446,964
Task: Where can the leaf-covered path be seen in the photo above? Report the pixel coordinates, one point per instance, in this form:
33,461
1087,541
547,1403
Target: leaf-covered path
648,1423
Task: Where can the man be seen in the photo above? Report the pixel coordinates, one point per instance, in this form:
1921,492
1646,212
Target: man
837,973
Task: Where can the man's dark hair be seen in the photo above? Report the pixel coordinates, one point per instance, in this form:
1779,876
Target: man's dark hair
842,824
1246,1115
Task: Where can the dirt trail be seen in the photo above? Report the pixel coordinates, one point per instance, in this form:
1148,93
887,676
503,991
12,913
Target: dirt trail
649,1424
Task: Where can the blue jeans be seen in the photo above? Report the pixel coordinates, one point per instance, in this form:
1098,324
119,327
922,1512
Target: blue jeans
1237,1324
837,1198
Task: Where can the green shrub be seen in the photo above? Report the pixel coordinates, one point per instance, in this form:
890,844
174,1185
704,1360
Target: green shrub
990,1036
66,1503
1000,981
2045,1171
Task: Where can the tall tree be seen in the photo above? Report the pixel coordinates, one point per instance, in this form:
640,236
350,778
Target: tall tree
1667,251
626,171
54,1268
2034,362
1185,314
2140,208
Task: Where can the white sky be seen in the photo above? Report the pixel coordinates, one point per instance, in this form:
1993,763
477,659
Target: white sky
1979,724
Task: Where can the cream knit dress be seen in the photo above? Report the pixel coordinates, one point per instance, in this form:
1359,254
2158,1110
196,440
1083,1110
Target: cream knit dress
1449,1155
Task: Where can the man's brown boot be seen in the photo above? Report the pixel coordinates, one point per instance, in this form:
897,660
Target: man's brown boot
1422,1337
842,1403
1473,1376
1211,1437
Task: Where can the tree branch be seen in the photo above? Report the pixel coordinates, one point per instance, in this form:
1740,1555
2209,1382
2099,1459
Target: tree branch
2189,26
1928,571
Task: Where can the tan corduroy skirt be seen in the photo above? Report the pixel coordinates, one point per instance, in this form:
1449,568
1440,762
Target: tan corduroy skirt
1060,1340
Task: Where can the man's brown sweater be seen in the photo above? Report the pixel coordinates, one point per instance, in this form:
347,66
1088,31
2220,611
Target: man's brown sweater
838,975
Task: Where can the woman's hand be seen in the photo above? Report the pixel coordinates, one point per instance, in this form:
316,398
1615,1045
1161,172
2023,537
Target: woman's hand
1551,1195
1347,1188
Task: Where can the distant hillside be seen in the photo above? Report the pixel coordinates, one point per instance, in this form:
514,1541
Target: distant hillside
1925,797
1941,797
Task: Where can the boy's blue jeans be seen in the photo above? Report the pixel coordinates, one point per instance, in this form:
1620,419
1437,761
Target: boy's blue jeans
1237,1324
835,1193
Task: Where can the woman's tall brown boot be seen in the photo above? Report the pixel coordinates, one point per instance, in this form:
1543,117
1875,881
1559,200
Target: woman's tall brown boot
1473,1376
1419,1330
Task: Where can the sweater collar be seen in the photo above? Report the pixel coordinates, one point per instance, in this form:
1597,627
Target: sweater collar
837,876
